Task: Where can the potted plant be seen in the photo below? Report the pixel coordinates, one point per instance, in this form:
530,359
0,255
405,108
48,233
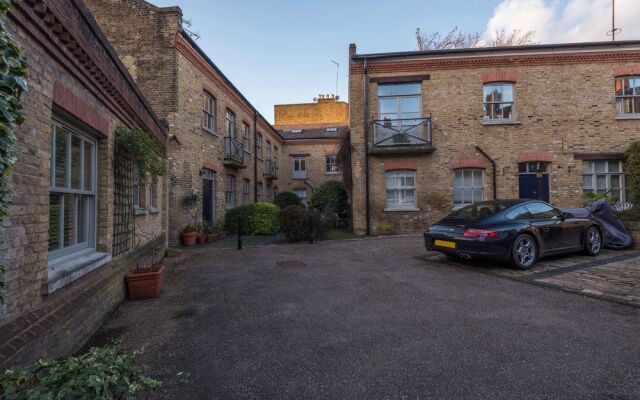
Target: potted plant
201,235
189,234
213,233
145,283
384,229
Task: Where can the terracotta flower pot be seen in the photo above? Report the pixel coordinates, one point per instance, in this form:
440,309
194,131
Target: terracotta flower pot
213,237
145,283
201,237
189,238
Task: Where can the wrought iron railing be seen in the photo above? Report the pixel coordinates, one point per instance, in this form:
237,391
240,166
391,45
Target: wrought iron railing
271,169
402,132
233,150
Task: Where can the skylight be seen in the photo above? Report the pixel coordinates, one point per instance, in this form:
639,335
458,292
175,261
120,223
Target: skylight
332,129
296,131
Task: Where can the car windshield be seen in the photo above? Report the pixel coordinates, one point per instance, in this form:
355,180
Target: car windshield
480,210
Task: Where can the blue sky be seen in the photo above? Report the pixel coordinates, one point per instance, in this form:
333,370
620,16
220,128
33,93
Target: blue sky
279,51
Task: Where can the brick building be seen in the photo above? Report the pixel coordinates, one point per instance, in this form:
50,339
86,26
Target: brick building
434,131
219,144
312,134
65,258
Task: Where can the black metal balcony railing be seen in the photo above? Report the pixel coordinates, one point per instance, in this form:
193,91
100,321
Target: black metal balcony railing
271,169
402,132
233,150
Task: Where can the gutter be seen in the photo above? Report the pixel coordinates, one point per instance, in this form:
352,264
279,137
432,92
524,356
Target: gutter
255,155
366,148
495,175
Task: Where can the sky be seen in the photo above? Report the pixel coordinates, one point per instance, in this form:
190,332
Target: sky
280,51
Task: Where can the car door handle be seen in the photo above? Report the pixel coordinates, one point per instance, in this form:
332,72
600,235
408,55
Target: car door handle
546,229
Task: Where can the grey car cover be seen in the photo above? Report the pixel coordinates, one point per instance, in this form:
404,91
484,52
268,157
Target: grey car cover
616,236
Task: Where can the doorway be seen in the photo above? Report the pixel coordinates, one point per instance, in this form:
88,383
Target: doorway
534,180
208,196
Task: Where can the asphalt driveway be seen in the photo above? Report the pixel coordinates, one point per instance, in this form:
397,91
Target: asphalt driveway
373,319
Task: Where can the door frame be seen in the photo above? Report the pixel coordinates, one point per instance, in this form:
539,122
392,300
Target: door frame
209,176
546,173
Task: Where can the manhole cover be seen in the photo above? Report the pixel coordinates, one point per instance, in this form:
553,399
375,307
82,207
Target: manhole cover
290,264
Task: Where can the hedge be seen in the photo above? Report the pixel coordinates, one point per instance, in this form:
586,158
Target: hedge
284,199
330,195
257,219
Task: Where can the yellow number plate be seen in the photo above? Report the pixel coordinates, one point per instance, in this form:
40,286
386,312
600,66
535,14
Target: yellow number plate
444,243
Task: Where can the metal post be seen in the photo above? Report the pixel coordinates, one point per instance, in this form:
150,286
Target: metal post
239,232
312,225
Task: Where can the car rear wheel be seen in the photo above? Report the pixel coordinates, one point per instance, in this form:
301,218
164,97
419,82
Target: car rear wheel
524,252
592,241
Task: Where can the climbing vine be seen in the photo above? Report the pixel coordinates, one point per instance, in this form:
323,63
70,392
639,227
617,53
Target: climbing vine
146,152
13,82
632,165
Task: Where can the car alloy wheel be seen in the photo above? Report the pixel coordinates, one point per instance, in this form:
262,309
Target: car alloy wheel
525,251
594,242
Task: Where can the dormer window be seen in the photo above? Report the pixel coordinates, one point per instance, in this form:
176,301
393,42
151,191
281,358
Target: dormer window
296,131
332,129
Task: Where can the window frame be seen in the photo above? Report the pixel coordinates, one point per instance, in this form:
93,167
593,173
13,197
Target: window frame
301,162
328,164
229,191
491,119
303,199
246,191
259,191
259,145
86,200
401,206
209,109
623,189
246,137
473,187
230,124
634,97
400,100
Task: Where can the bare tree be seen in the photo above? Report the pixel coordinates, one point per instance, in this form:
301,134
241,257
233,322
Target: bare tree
456,39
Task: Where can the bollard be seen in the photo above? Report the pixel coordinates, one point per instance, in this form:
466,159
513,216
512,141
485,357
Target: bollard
312,225
239,232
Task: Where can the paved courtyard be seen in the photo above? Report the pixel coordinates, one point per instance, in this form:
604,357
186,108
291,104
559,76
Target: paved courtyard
380,318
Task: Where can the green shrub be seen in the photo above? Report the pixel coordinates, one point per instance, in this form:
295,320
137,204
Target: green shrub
263,220
257,219
632,167
294,223
284,199
330,195
101,373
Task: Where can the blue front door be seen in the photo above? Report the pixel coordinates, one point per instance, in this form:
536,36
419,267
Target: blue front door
532,187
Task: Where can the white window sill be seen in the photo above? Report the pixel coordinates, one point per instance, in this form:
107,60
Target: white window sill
137,211
625,117
213,133
64,270
154,210
401,209
500,122
332,173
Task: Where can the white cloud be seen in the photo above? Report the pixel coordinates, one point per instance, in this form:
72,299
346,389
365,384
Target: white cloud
563,21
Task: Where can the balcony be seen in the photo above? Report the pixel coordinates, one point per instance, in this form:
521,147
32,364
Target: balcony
233,153
402,136
271,169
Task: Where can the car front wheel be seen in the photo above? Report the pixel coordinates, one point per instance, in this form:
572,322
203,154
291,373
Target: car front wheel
524,252
592,241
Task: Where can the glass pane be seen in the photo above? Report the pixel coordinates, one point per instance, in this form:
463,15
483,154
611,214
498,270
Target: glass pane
61,157
507,93
600,166
467,179
412,88
620,106
636,86
81,215
466,195
618,87
477,178
410,181
54,221
411,105
384,90
390,180
488,111
389,106
457,179
457,196
69,225
614,166
601,182
522,168
636,102
627,87
488,94
410,196
88,166
587,167
627,105
587,181
615,182
76,166
507,111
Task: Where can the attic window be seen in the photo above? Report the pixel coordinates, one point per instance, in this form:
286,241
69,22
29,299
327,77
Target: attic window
332,129
296,131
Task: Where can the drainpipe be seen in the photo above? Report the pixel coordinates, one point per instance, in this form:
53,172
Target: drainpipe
255,156
495,175
366,148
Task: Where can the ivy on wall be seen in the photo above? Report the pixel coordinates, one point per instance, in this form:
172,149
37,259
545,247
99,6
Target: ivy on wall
13,82
632,165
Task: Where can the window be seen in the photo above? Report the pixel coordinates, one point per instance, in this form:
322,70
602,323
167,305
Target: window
533,167
542,211
605,177
299,168
400,102
498,101
268,154
72,192
246,142
269,193
230,121
519,213
628,95
138,192
245,191
331,165
230,191
259,145
153,194
209,113
302,195
275,153
296,131
401,189
332,129
259,191
468,187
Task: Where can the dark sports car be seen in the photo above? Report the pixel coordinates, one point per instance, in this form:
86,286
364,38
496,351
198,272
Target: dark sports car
521,231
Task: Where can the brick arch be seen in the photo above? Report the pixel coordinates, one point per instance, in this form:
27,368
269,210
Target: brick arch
394,165
477,163
626,71
500,76
544,156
